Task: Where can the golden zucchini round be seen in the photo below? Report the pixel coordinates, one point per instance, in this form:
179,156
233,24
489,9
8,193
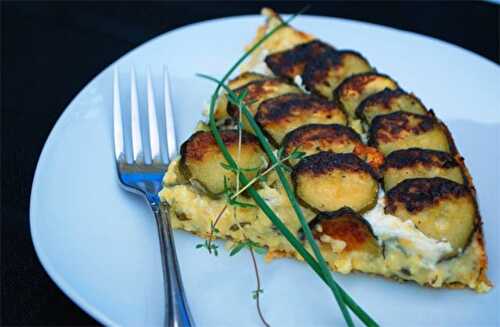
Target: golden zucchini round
323,74
440,208
314,138
280,115
389,101
414,163
403,130
345,231
202,160
328,181
258,92
358,87
290,63
237,82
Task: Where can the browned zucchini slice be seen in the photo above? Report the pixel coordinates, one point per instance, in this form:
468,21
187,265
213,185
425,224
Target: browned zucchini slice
290,63
314,138
388,101
323,74
440,208
280,115
328,181
403,130
202,159
240,80
414,163
258,92
358,87
348,227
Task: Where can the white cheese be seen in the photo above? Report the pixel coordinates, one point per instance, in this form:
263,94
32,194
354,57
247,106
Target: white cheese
298,81
388,227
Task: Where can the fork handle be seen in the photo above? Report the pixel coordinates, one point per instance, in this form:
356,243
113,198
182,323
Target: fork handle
177,313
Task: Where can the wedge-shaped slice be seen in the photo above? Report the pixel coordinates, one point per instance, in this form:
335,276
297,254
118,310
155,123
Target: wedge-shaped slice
290,63
314,138
344,231
414,163
328,181
258,92
324,73
280,115
403,130
440,208
389,101
202,160
237,82
358,87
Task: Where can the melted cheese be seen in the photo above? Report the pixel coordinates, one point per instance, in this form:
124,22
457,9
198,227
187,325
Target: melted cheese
390,228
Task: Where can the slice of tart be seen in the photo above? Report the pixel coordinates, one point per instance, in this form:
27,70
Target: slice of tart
379,178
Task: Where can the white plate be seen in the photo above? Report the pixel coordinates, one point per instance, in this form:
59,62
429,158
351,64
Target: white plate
99,243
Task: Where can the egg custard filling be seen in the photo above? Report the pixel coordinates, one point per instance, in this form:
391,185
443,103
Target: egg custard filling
379,179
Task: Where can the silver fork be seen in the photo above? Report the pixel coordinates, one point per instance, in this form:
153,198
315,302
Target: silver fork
142,174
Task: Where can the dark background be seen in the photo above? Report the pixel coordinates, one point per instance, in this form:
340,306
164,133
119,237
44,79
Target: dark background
50,51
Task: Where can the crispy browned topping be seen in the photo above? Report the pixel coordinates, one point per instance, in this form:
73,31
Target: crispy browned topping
290,63
316,71
415,156
256,90
287,105
343,224
416,194
385,98
324,162
333,133
201,143
389,127
357,83
369,154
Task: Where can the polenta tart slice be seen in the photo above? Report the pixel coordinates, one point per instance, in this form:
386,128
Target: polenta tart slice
377,175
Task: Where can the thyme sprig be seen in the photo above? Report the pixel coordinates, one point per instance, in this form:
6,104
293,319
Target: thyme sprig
318,264
295,205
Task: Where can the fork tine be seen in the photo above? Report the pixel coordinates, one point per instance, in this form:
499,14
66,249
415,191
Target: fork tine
135,119
117,119
169,116
153,121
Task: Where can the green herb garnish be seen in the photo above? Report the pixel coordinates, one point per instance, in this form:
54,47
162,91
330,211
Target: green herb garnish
319,264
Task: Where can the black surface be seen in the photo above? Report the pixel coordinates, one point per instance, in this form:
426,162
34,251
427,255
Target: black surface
50,51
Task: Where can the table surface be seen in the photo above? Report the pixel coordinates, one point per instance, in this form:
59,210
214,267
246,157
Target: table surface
50,51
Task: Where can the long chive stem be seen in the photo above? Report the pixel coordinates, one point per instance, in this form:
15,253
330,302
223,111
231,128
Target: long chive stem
263,205
298,210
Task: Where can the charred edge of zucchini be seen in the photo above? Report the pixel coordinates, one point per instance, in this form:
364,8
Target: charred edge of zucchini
282,108
278,108
412,156
298,136
195,147
316,71
416,194
359,230
384,97
255,90
291,62
357,81
323,162
397,122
